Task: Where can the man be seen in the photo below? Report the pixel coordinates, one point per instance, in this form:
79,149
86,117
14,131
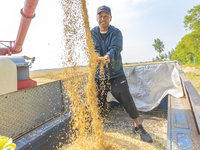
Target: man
108,44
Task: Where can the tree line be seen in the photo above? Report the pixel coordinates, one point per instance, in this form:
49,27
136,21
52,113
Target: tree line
187,50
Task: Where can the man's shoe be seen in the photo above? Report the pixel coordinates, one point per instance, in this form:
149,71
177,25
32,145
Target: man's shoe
144,135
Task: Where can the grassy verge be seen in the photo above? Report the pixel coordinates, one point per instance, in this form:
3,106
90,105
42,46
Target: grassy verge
193,74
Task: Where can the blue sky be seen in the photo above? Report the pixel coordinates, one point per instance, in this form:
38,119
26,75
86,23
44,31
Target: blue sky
141,21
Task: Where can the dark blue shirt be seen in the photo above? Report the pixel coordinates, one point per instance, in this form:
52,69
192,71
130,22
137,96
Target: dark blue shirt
111,45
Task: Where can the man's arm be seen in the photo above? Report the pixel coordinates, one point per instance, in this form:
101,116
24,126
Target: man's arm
115,46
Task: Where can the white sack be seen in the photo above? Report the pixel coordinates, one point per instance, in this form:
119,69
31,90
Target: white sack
150,83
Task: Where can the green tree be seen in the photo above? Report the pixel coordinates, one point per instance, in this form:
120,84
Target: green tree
192,20
170,54
188,49
159,47
165,56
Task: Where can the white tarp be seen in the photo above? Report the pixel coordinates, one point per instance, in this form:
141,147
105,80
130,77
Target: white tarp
150,83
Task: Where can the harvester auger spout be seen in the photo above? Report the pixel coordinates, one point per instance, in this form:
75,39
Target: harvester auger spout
27,12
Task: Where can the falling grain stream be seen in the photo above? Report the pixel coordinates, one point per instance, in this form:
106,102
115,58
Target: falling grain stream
87,125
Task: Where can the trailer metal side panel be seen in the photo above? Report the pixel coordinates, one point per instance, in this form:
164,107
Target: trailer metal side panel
23,110
182,130
192,95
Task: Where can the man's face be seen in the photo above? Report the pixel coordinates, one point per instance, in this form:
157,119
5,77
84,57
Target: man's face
104,19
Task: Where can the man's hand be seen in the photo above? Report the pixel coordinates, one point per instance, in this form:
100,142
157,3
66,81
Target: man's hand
104,60
107,59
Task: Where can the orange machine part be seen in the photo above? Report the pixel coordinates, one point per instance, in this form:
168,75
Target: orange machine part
27,14
27,83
